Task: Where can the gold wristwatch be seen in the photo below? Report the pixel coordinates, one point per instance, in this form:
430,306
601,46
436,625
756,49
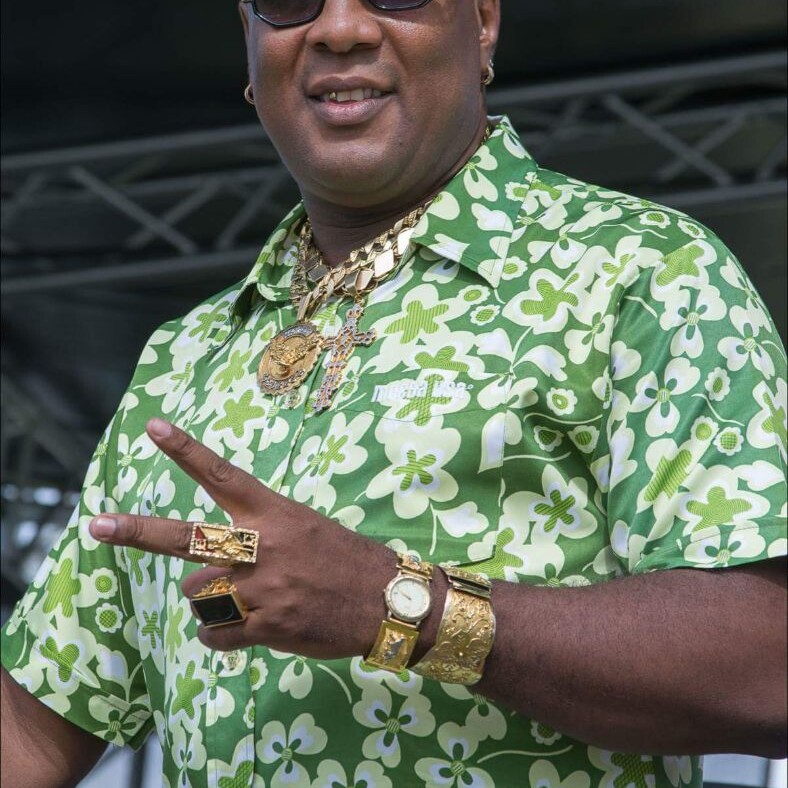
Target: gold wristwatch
409,601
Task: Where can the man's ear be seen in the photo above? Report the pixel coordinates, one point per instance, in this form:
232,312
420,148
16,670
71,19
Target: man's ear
489,14
244,18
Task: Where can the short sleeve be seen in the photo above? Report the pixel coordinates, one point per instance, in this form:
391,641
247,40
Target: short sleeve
692,458
71,640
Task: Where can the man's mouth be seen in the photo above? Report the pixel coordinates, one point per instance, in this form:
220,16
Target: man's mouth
345,96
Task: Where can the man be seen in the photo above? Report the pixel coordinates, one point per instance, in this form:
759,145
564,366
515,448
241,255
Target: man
547,383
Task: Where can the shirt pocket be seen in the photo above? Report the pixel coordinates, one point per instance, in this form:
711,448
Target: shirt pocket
431,479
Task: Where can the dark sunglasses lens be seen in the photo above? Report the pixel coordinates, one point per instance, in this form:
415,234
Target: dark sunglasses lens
398,5
287,12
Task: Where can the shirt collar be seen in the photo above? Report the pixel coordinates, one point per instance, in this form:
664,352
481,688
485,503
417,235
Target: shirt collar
471,222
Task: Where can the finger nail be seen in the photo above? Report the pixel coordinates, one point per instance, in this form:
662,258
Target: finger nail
159,428
103,527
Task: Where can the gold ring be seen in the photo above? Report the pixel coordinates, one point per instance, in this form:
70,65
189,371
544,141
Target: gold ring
223,545
217,604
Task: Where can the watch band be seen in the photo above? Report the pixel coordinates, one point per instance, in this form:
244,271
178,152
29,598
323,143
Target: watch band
466,633
397,638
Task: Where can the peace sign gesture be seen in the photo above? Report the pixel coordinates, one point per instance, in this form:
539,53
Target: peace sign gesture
315,588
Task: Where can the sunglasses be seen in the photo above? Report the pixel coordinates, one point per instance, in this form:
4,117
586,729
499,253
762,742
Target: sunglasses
286,13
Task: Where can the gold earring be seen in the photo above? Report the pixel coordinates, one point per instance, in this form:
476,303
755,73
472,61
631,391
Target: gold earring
248,95
488,78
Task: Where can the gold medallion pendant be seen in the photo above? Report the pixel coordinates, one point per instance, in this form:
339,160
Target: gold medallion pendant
289,358
293,353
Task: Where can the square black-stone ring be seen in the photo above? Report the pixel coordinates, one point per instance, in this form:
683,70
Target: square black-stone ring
218,604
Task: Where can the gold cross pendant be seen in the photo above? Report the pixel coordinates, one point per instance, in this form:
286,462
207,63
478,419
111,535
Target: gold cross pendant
341,349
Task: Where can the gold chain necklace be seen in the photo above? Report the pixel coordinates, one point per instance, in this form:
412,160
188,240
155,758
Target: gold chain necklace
294,351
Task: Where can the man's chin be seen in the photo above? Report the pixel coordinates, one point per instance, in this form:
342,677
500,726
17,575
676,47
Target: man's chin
358,179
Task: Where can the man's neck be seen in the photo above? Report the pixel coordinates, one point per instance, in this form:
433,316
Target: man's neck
339,230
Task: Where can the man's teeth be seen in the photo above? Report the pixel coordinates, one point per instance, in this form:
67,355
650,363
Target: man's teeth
343,96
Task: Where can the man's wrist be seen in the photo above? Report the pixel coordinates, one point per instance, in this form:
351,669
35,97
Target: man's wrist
431,624
373,606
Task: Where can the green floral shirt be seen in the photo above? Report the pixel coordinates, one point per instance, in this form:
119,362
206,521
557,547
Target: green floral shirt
569,384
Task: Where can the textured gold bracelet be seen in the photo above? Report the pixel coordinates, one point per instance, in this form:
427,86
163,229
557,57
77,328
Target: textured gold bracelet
466,633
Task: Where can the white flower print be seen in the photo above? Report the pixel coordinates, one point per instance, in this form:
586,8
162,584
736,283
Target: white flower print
416,474
296,679
621,267
678,769
746,347
171,385
622,466
624,363
100,584
108,618
713,548
684,317
67,656
403,683
543,774
663,417
769,427
462,520
729,441
368,774
632,771
561,401
477,184
585,437
423,316
158,495
560,510
484,315
513,268
376,710
654,219
691,229
718,384
543,734
545,306
564,252
459,744
492,221
734,276
485,719
128,455
579,342
337,451
474,294
188,751
715,500
240,767
547,438
304,738
117,724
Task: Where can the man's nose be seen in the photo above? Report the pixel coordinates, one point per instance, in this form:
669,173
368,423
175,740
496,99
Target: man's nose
344,25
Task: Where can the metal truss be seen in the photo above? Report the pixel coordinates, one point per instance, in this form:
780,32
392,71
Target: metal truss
150,211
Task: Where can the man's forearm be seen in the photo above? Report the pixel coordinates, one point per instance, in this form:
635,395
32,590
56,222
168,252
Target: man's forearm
676,662
40,749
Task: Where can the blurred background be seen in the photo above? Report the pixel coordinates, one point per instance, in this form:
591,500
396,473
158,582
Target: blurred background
136,181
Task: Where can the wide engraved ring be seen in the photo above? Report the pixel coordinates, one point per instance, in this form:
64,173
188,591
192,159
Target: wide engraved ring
223,545
218,604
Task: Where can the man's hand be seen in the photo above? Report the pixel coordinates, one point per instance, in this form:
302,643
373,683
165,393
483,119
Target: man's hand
316,588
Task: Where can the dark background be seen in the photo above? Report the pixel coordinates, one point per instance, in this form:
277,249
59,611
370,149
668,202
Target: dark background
116,115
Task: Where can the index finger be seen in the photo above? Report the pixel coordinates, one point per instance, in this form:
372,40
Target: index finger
237,492
171,537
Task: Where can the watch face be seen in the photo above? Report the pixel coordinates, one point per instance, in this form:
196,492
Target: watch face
409,598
